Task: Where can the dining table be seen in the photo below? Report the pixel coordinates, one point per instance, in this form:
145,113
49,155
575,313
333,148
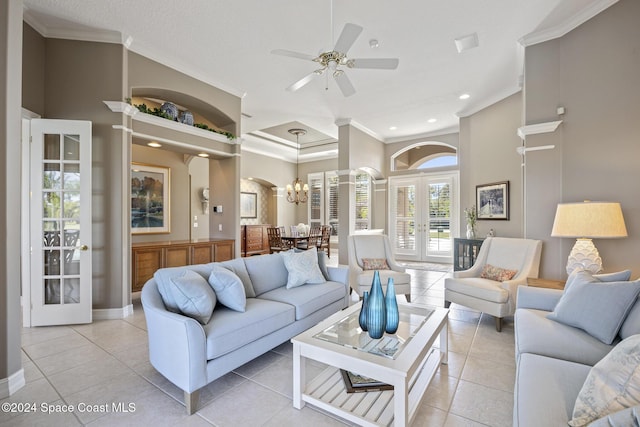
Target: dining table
295,241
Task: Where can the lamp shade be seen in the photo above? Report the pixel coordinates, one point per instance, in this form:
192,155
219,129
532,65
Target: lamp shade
593,220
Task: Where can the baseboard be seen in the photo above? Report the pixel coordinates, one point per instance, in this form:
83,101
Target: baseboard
10,385
112,313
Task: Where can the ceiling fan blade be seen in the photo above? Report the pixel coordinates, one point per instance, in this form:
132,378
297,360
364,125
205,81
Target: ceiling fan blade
303,81
349,34
293,54
379,63
344,83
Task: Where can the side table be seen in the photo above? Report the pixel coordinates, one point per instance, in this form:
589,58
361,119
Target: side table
545,283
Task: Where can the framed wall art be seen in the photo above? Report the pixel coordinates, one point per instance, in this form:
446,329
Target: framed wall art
492,200
248,205
150,202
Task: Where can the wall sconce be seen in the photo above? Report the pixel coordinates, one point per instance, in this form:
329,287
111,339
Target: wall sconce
204,199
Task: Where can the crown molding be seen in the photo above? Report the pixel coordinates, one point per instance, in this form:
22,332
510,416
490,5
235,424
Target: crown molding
569,24
350,121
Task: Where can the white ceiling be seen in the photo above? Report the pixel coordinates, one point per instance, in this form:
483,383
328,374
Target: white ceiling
227,43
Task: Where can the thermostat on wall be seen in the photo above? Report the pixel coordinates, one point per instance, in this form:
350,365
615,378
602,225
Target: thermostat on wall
217,209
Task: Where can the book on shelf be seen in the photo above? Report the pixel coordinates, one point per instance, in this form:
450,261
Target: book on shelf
355,383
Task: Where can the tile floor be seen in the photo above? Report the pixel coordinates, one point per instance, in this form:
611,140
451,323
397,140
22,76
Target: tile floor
102,369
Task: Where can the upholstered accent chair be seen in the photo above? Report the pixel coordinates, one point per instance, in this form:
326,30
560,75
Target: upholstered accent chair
366,253
481,286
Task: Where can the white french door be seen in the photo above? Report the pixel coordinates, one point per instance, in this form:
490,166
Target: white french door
422,217
60,222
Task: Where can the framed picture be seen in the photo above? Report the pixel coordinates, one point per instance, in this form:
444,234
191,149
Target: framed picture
492,200
248,205
150,202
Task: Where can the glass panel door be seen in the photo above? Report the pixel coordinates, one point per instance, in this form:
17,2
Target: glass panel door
404,218
60,222
439,238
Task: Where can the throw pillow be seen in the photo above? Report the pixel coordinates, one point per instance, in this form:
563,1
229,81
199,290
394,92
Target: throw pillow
597,308
374,264
613,384
192,295
619,276
496,273
302,267
228,288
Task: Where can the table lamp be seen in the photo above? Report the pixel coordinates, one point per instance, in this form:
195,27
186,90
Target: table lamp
586,221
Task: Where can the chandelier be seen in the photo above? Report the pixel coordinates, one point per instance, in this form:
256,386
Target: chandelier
297,192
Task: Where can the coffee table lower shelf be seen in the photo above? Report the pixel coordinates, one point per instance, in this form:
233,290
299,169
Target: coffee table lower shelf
368,408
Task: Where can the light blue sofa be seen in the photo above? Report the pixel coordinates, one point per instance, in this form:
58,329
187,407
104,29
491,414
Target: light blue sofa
192,355
553,361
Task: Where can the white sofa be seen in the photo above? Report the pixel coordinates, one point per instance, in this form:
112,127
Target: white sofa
191,355
554,360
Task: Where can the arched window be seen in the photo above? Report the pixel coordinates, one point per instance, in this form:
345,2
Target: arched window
425,155
438,161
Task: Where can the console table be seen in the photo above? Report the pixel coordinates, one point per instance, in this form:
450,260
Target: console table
148,257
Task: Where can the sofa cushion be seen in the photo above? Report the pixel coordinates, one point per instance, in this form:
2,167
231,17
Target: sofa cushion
309,298
631,325
191,294
229,330
596,307
538,335
163,277
613,384
302,267
625,418
498,274
228,288
237,266
267,272
485,289
546,390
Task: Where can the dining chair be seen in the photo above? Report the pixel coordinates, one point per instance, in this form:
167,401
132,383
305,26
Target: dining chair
323,242
276,244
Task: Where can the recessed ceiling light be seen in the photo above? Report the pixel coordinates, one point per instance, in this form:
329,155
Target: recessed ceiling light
465,96
373,43
431,120
154,144
393,128
466,42
250,178
203,155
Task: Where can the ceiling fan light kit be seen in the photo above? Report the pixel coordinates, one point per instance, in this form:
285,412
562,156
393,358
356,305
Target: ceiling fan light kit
336,59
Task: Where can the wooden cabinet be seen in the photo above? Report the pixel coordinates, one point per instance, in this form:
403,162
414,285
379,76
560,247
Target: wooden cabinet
255,240
146,258
465,252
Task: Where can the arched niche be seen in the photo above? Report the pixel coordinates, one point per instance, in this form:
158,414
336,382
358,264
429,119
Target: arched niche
202,111
415,155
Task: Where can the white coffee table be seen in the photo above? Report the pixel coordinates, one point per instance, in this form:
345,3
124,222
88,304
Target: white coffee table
408,361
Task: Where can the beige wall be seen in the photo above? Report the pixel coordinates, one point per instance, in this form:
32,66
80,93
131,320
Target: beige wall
488,142
179,192
11,374
593,72
264,200
199,177
33,71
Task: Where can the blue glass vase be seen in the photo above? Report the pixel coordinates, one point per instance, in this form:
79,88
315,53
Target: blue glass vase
363,311
391,308
375,309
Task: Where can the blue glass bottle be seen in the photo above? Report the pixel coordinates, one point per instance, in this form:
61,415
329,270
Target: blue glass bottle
391,308
363,311
375,309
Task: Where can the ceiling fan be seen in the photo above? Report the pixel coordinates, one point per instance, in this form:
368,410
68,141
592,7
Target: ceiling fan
336,60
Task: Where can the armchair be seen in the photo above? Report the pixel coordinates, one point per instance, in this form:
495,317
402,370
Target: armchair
496,298
375,246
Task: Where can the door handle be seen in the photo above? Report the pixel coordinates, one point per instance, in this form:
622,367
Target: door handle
84,247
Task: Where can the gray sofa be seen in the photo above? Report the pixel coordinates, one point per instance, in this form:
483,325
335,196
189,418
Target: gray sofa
191,355
553,361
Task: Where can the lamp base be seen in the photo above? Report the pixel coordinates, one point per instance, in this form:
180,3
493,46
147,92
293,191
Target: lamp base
584,256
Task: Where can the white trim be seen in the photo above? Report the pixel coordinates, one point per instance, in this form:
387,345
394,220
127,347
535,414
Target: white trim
112,313
122,128
121,107
490,100
522,149
571,23
537,128
349,121
9,386
183,144
424,135
27,114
